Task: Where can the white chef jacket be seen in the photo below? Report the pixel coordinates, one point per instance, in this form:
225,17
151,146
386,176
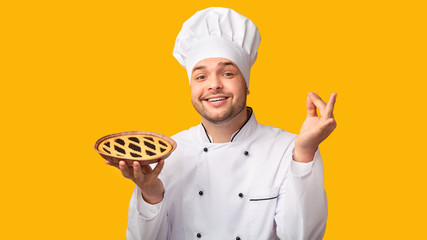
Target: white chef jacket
245,189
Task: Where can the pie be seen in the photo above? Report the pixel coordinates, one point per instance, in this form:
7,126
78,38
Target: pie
147,147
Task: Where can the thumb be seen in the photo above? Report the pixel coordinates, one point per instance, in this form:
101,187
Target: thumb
159,167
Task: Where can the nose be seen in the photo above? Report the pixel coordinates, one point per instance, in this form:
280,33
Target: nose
214,83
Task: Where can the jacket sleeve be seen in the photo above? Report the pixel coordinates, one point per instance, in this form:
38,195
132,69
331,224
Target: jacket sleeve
302,205
146,221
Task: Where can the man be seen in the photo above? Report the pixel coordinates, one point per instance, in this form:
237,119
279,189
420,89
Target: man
230,177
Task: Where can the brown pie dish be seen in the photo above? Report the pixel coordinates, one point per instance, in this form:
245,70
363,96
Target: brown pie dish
143,146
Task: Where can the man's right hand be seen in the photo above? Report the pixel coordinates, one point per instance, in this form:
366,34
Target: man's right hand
146,178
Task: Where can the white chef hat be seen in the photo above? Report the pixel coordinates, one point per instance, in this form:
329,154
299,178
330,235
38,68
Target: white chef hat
218,32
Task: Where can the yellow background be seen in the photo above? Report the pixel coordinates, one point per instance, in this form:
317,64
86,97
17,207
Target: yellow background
74,71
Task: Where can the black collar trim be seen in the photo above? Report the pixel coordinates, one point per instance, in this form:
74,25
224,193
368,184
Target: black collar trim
250,116
207,135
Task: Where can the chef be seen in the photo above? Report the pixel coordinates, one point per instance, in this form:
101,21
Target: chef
231,177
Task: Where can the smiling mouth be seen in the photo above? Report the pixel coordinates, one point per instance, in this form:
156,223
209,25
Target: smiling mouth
216,99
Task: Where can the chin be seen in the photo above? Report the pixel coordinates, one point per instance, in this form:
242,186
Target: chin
217,115
214,117
217,119
221,116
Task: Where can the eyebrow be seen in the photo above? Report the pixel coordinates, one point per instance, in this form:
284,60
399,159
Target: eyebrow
220,63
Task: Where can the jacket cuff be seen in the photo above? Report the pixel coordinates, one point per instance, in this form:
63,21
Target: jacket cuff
146,210
300,169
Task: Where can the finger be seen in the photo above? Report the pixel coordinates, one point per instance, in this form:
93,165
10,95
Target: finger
112,164
124,169
146,169
329,125
311,108
331,105
317,101
159,167
137,173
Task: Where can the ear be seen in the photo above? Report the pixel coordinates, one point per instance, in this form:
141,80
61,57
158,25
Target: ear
247,91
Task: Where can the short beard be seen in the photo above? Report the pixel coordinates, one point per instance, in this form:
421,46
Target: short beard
230,114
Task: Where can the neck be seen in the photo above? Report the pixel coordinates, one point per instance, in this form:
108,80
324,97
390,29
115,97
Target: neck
222,132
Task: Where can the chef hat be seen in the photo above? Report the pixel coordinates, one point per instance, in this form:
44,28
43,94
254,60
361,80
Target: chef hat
218,32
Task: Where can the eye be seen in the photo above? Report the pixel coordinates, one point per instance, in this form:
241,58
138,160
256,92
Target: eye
228,74
201,77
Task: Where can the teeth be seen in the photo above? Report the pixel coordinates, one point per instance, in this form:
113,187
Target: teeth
216,99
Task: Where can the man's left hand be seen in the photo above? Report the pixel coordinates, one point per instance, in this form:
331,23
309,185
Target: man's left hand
315,128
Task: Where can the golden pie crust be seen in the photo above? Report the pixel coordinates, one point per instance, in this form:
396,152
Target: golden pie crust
143,146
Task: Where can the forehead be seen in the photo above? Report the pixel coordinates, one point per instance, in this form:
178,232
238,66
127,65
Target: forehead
213,63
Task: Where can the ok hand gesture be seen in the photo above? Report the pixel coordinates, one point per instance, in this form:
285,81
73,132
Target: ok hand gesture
315,128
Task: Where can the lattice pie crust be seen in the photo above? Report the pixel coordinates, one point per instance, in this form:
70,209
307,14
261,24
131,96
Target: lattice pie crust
137,147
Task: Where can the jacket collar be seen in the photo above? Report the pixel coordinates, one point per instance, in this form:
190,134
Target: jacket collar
245,131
